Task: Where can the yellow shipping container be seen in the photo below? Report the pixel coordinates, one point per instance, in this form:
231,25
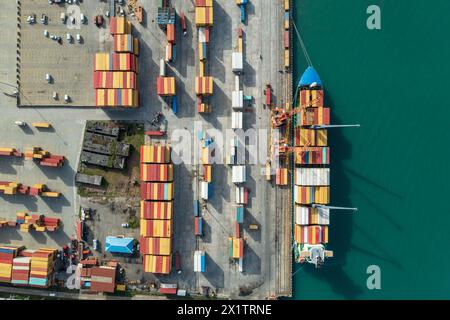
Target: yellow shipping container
157,264
51,194
286,58
204,16
155,154
6,150
286,5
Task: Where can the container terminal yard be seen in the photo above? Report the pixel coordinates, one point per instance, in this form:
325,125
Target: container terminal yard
92,92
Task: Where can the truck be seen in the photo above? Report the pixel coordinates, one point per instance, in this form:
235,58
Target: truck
183,23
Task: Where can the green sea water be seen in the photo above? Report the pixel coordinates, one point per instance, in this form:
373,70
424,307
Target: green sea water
395,82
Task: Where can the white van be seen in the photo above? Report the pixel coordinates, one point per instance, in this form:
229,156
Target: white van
82,17
69,38
78,38
48,78
63,17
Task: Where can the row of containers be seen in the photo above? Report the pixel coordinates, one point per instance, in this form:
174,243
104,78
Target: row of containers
25,267
287,34
156,225
237,95
165,84
40,156
115,75
37,222
13,188
311,176
238,171
204,20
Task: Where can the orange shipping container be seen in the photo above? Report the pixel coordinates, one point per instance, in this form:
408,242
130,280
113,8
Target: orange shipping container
204,85
156,228
156,210
155,246
157,264
171,33
311,234
156,172
281,177
165,86
155,154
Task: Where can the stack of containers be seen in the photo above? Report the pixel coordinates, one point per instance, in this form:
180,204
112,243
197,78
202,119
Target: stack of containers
10,152
199,261
42,267
203,84
7,254
116,74
156,208
312,178
21,271
287,34
237,95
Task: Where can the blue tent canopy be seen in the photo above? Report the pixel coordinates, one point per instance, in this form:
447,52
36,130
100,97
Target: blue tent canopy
309,76
119,245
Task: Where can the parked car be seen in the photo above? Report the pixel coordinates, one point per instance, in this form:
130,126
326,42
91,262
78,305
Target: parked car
125,225
44,18
78,38
94,244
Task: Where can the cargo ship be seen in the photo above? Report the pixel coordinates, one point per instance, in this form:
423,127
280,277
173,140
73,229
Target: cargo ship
311,188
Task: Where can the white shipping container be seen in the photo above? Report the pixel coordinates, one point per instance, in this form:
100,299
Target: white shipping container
302,216
240,195
241,264
237,61
236,120
201,35
239,174
312,176
237,99
236,83
162,68
204,192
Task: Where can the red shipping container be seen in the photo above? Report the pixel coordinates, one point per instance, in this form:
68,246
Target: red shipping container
286,39
171,33
237,230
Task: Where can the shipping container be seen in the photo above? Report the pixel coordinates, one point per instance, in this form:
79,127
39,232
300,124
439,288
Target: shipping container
312,176
156,228
236,120
198,226
203,3
126,43
199,261
236,247
106,61
281,176
237,101
207,173
155,246
196,208
119,25
310,195
126,98
157,191
237,61
240,214
155,154
204,16
165,86
171,37
160,210
313,116
311,234
241,195
204,86
307,215
156,264
115,80
203,35
312,155
310,137
156,172
202,51
205,190
239,174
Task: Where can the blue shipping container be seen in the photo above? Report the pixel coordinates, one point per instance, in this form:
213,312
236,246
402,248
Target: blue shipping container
196,208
